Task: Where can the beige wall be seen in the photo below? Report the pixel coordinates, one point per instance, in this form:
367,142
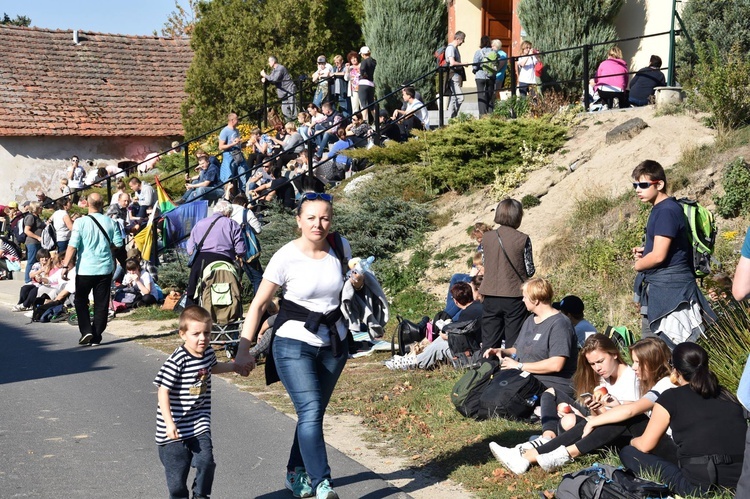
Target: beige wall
468,20
28,163
644,17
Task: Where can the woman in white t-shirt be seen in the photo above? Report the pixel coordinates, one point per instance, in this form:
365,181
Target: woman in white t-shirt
62,223
620,423
309,348
525,65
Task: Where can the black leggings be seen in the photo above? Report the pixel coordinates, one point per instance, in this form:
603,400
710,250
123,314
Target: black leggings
549,403
28,295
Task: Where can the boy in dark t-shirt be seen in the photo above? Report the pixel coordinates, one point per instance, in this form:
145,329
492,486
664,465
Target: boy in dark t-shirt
671,303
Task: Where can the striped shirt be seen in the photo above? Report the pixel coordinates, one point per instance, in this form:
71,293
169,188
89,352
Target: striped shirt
188,380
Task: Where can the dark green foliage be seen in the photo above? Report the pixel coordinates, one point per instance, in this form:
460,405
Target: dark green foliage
380,227
728,341
170,163
468,154
394,153
396,277
281,229
721,86
403,35
725,23
553,25
174,272
16,21
396,181
514,107
735,200
529,201
232,40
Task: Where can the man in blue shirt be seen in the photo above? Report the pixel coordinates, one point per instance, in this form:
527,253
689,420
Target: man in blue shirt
91,242
205,184
230,144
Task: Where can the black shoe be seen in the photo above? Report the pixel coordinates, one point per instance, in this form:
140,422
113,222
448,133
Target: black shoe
85,339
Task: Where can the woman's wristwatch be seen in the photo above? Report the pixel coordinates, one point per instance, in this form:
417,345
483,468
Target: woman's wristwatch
520,366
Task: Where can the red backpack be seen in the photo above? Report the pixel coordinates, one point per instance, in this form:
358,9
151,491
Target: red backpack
440,56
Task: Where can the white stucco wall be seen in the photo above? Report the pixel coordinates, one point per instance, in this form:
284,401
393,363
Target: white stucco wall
28,163
644,17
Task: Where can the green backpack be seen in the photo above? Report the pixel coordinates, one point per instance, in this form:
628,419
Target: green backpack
702,235
621,335
489,64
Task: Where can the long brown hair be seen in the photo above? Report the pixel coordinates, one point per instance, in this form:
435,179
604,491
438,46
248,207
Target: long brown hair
585,378
653,357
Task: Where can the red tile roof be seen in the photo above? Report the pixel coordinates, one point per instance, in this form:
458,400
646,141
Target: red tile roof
107,85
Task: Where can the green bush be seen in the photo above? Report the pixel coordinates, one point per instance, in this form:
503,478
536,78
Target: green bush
728,341
393,153
736,181
396,277
469,154
381,227
721,86
514,107
169,163
392,181
529,201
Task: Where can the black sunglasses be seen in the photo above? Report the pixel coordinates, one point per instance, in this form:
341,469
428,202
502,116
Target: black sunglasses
644,185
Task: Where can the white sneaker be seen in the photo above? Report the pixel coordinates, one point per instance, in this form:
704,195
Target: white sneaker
533,443
402,363
18,308
510,458
555,459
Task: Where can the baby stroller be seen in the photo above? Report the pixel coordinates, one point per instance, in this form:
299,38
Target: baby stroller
220,292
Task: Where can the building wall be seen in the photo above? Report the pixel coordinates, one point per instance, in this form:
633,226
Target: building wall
30,163
637,18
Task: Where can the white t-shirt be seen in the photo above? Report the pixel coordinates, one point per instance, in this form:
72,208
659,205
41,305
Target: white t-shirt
627,388
526,72
61,230
313,284
420,111
252,221
146,279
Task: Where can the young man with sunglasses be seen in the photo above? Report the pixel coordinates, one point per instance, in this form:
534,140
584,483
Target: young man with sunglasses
671,305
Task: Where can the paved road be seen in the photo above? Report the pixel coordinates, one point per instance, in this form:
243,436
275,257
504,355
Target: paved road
78,422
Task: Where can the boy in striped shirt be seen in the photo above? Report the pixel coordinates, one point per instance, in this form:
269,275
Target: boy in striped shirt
183,417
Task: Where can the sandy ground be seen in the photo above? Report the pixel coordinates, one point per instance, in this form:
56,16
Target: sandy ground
597,167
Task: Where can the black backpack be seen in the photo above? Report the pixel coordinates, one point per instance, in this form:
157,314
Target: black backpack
511,394
464,342
603,481
407,333
468,389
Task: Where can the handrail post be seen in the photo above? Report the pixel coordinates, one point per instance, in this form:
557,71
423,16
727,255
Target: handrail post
585,78
441,100
670,70
187,160
109,189
265,106
511,68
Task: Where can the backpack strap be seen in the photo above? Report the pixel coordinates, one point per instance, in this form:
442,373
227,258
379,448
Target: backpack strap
334,240
502,247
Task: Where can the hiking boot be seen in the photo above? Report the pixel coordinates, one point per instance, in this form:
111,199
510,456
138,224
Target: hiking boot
325,491
555,459
85,339
298,482
510,458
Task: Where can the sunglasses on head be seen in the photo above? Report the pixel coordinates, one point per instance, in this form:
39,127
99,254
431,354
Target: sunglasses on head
644,185
312,196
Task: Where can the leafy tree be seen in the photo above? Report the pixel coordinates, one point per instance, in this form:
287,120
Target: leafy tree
232,40
16,21
553,25
403,35
180,21
725,23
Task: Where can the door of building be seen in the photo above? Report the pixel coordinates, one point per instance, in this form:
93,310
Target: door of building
497,21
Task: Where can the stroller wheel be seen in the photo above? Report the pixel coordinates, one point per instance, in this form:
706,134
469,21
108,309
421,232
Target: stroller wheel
73,319
231,351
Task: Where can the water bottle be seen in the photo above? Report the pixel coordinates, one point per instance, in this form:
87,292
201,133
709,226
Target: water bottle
531,402
364,265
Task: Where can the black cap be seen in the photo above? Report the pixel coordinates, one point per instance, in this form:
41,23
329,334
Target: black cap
571,304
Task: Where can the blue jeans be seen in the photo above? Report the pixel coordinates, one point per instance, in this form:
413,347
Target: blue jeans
309,375
254,272
177,458
322,140
200,191
241,170
31,250
62,246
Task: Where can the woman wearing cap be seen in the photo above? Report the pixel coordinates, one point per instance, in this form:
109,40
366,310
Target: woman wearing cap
309,349
366,89
508,263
